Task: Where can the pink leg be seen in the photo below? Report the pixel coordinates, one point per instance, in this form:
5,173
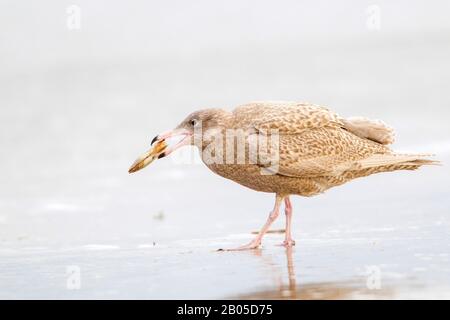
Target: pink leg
288,241
272,217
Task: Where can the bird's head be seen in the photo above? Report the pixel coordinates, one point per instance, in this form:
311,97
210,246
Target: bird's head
193,130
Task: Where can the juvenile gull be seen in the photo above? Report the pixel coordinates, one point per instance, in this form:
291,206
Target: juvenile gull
313,150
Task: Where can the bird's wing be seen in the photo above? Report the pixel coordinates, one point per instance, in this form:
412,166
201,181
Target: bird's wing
303,140
284,117
323,151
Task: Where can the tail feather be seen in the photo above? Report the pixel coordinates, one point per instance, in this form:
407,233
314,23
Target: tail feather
375,130
385,163
394,159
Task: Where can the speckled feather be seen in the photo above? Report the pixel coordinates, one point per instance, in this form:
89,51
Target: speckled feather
317,148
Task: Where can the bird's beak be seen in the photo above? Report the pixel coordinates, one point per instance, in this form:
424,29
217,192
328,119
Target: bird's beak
163,144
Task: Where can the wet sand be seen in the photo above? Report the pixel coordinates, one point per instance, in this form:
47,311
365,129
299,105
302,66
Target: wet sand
77,107
397,253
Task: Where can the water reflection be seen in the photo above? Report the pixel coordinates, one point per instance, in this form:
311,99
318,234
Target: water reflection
307,291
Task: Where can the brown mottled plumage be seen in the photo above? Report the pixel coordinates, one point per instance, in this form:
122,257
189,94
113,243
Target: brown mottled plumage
317,150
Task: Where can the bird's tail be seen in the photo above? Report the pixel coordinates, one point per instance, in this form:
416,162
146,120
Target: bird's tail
389,162
396,159
375,130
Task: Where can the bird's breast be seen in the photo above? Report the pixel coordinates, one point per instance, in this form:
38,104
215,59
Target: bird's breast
251,176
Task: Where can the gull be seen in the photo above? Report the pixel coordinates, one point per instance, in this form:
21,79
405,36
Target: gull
285,148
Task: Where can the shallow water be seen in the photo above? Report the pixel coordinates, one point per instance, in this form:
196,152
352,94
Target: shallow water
77,107
365,241
378,263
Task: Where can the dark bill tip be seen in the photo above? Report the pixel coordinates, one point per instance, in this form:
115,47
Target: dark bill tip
135,167
162,155
131,170
154,140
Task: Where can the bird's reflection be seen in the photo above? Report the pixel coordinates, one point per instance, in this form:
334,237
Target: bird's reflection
290,289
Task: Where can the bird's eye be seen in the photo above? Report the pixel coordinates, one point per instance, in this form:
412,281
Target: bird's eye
193,122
